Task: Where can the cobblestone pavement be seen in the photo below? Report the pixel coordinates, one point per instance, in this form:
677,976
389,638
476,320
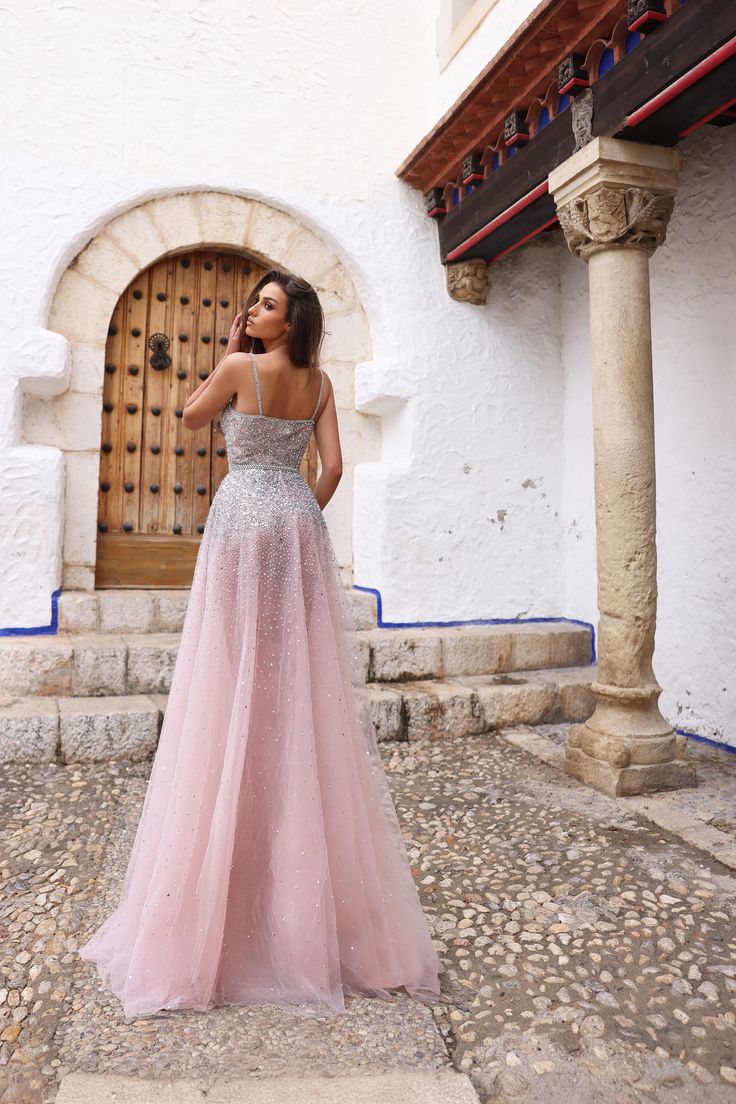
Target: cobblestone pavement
589,956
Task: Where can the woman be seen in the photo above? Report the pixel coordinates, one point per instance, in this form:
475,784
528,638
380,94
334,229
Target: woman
268,863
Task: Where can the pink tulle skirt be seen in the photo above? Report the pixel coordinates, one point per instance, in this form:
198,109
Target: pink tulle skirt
268,863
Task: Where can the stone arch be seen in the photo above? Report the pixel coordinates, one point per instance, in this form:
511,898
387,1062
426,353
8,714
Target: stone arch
82,306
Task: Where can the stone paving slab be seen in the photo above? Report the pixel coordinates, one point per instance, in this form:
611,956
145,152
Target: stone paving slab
440,1087
588,956
704,816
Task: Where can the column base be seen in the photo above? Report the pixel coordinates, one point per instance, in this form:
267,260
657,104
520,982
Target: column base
624,780
626,747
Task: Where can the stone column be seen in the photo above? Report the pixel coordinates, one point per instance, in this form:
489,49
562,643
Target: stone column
614,199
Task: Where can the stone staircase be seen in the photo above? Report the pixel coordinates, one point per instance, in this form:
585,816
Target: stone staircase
97,689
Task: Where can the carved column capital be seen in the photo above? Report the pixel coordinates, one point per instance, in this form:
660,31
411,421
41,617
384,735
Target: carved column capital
468,281
631,216
612,192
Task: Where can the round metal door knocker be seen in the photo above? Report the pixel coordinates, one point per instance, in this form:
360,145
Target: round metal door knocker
159,344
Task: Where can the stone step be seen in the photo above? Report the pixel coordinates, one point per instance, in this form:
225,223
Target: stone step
158,611
101,664
85,729
470,704
421,1086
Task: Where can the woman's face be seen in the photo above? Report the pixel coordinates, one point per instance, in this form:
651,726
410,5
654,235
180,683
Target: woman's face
266,318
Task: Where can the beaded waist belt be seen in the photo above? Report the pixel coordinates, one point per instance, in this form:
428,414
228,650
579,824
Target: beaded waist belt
237,466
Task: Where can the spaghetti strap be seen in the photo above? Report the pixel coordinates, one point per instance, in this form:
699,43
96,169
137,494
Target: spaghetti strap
258,383
319,397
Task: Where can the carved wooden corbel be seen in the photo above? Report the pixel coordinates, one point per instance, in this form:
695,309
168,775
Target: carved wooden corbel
468,281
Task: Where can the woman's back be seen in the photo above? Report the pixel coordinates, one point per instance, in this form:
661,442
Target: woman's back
255,439
277,390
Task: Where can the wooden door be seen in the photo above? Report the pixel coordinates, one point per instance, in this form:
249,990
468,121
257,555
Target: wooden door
157,479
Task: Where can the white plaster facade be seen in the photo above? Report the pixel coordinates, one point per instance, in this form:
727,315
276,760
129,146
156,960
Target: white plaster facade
468,427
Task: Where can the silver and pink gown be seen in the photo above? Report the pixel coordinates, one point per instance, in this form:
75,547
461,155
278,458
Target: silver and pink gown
268,863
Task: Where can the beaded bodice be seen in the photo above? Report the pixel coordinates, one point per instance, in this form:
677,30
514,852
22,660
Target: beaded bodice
262,441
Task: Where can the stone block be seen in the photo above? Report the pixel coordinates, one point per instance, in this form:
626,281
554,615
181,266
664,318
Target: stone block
160,701
151,661
79,576
138,235
336,283
105,262
171,608
29,730
627,782
78,611
434,710
577,700
228,219
397,654
101,729
88,367
71,422
727,856
362,606
177,219
80,524
570,645
35,665
127,611
271,233
309,256
99,665
512,703
386,708
362,653
475,650
541,644
78,305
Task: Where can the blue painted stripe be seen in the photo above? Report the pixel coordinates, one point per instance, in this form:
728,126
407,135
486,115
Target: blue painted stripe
707,740
473,620
39,630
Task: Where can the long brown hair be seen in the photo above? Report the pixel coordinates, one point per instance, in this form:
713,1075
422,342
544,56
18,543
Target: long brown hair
303,311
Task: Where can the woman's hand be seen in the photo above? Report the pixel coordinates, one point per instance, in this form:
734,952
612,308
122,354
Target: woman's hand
236,333
233,346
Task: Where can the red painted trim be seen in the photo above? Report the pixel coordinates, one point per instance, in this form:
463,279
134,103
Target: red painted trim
499,220
571,84
723,53
436,211
711,114
521,241
661,16
473,176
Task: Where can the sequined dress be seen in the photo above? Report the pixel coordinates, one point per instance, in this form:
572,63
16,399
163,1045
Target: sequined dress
268,863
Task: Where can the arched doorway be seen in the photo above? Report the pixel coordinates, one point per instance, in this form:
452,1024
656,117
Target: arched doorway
63,408
157,479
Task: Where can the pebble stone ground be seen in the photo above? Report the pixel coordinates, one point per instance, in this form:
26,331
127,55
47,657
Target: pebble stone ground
588,956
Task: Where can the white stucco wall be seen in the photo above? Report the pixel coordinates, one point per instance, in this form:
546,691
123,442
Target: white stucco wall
693,293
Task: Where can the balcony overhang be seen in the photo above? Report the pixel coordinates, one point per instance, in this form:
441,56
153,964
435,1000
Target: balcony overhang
642,71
